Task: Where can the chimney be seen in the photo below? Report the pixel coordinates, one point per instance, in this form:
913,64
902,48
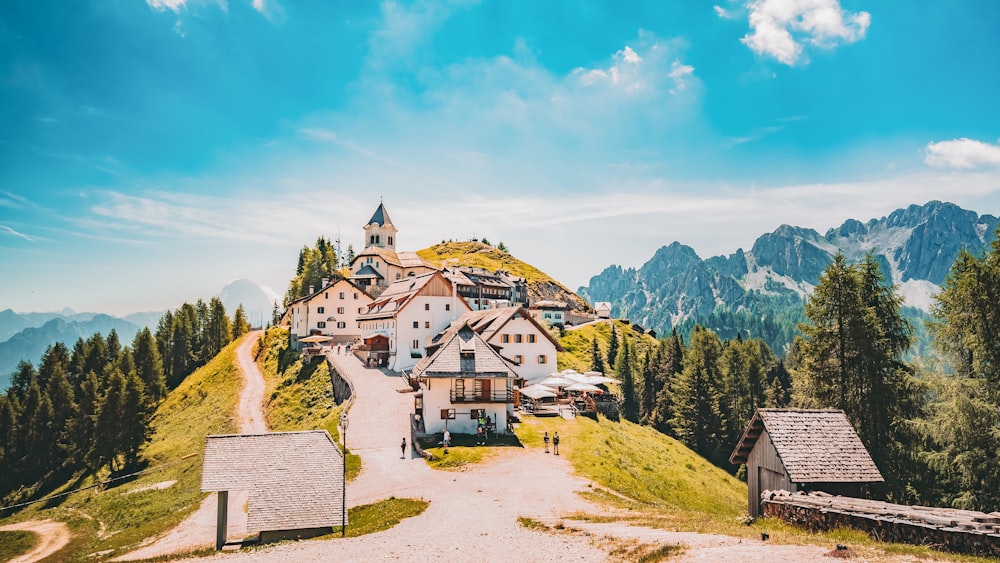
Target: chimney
312,289
326,281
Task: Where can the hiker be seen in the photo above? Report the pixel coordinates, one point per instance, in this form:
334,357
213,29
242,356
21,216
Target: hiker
404,447
546,440
447,439
555,443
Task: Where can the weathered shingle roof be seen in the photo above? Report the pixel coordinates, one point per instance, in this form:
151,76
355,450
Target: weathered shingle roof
464,354
294,478
487,322
815,446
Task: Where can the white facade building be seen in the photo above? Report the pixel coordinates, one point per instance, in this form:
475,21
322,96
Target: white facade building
410,312
332,311
462,380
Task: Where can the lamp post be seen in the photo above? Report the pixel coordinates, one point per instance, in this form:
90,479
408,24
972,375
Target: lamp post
343,499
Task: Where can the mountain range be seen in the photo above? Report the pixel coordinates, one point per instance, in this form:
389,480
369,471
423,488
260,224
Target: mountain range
760,292
25,336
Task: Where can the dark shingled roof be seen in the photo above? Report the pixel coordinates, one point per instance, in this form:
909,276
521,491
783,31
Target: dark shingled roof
381,216
294,478
815,446
464,354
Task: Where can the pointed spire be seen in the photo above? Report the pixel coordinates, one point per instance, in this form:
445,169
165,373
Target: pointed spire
381,216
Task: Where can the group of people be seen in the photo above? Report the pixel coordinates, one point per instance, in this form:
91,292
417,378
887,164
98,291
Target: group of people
555,442
483,427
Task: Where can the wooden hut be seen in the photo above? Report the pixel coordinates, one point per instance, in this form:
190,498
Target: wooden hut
803,450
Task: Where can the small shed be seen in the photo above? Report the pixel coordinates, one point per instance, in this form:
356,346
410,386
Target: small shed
295,482
803,450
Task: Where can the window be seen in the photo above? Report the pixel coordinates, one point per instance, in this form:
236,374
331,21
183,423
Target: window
427,324
505,338
368,260
416,324
519,359
321,324
447,306
361,310
355,294
517,338
427,306
416,345
319,309
531,338
399,276
542,359
390,241
341,294
341,325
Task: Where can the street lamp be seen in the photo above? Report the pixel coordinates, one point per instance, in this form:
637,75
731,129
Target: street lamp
343,498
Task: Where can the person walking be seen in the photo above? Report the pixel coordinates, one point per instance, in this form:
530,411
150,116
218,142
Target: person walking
555,443
403,455
447,440
545,439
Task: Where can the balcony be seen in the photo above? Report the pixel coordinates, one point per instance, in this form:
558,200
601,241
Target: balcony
494,396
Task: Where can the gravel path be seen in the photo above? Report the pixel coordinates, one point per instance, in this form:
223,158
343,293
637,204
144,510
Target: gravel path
51,536
198,530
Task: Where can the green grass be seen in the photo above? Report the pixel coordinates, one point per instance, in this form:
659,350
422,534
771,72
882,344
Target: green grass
15,543
578,344
109,519
479,255
299,395
382,515
458,457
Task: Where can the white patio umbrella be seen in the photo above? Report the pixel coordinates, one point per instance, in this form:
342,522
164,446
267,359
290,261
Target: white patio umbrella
537,392
593,374
601,380
552,381
577,377
316,338
584,387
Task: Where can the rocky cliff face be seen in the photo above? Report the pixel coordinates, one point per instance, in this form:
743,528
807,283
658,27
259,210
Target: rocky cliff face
915,246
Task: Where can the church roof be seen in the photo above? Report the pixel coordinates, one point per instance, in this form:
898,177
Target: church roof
381,217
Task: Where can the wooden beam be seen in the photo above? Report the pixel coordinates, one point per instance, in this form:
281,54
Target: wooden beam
221,522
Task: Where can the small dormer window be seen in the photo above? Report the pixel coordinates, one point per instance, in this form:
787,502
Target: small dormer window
390,241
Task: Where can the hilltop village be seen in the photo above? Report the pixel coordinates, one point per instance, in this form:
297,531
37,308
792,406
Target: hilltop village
460,335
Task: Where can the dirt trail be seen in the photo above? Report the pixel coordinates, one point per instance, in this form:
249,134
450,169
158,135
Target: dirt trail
52,536
198,530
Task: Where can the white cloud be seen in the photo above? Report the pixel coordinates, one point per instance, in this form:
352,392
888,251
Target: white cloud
962,153
679,73
780,28
10,231
723,13
164,5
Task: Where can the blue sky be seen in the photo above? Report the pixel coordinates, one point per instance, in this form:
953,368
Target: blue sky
151,152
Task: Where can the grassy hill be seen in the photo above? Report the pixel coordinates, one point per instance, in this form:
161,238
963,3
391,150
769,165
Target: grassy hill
578,343
479,255
120,515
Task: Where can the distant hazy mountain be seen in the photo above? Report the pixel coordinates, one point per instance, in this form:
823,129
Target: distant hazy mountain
762,290
257,303
30,343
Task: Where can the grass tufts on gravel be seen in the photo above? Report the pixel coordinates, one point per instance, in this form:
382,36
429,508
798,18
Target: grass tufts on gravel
382,515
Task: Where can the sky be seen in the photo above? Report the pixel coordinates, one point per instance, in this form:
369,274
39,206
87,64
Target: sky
153,151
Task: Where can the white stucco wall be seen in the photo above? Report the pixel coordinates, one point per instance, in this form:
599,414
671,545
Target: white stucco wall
438,396
530,368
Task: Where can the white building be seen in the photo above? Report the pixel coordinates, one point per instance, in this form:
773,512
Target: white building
463,380
603,309
409,313
516,335
332,311
549,313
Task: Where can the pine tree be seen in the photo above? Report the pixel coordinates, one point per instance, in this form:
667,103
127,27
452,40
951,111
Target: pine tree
647,398
109,422
133,432
626,373
696,402
83,427
8,441
613,347
669,364
22,377
60,395
596,359
218,332
165,343
36,442
96,359
851,359
240,324
149,366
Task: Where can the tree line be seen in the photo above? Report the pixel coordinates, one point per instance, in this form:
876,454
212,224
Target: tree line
932,426
322,260
90,407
